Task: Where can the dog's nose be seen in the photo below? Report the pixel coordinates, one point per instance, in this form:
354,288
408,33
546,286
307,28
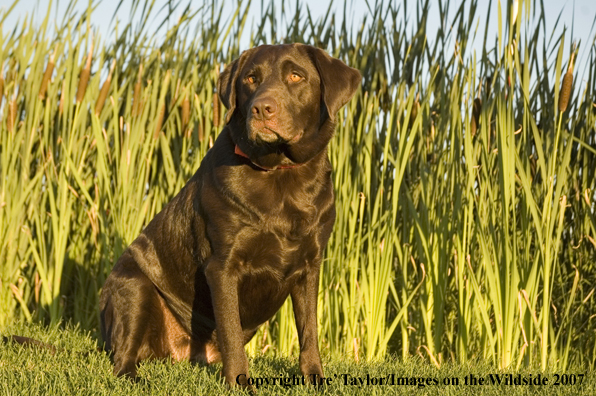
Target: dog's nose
264,108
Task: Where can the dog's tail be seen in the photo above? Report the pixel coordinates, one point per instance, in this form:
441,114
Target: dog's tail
26,341
29,342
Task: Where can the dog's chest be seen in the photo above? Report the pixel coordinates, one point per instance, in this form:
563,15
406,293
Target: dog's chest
274,255
281,239
288,221
268,222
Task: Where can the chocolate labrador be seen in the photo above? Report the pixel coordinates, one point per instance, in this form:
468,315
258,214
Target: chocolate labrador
247,230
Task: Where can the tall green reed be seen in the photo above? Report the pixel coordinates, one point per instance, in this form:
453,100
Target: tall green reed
464,189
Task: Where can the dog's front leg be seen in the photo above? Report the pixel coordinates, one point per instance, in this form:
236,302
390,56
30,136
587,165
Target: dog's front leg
304,300
224,295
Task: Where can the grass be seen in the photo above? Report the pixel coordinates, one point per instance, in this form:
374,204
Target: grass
464,179
77,369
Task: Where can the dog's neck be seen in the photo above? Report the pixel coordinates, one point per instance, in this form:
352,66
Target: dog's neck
241,153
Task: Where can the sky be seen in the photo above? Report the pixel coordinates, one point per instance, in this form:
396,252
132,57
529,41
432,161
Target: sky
582,12
577,13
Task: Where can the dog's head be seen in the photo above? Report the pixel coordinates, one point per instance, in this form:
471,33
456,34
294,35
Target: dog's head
282,101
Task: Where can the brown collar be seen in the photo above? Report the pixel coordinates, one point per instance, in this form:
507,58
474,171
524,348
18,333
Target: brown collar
241,153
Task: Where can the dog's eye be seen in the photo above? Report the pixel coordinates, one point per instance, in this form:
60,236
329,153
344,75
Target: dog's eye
251,79
294,77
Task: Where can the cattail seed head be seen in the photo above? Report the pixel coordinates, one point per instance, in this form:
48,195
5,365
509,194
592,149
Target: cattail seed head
84,77
565,93
12,114
160,116
200,133
185,112
476,110
566,85
414,110
62,98
83,81
105,88
47,75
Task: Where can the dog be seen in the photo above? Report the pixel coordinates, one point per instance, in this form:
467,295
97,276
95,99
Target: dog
247,230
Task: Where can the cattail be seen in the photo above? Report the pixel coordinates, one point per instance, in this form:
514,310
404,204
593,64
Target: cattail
565,93
1,89
12,104
105,88
487,86
185,111
136,99
476,109
160,115
12,113
433,131
215,110
62,98
84,77
47,75
200,133
414,110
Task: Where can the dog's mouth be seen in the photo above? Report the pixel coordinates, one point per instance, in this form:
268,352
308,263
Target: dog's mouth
268,135
261,132
265,155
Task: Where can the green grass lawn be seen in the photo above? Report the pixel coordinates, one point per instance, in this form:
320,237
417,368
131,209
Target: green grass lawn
77,369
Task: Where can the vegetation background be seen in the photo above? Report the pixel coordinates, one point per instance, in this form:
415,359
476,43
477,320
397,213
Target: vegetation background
465,180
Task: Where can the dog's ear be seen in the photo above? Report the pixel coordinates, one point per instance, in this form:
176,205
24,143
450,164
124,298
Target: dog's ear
339,82
226,85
